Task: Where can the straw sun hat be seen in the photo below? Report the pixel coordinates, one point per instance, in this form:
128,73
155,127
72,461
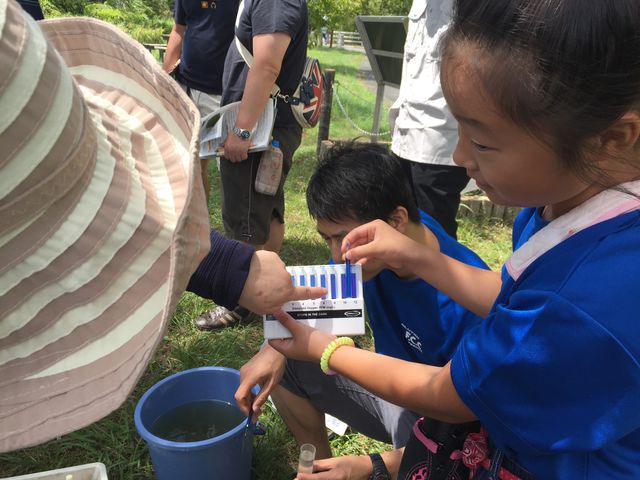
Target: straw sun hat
102,219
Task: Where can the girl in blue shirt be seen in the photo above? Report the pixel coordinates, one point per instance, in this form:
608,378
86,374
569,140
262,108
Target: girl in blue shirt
547,95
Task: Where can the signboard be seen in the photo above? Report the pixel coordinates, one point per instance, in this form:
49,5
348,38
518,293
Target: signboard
383,40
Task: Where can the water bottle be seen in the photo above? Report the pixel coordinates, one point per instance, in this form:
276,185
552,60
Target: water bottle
269,170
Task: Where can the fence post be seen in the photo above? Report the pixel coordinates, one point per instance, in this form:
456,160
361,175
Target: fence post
327,101
375,129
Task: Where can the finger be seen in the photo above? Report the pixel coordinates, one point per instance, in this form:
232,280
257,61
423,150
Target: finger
358,236
260,399
287,321
326,475
282,345
243,401
304,293
361,254
324,464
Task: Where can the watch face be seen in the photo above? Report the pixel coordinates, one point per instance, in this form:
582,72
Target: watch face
244,134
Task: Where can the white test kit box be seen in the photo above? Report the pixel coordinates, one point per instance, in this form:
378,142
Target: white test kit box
340,311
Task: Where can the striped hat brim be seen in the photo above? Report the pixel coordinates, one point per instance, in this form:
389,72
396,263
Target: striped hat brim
102,219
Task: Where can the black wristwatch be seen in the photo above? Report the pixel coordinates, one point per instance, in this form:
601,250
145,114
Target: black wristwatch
243,134
380,471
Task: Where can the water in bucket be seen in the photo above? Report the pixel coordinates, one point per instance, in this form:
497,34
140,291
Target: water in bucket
196,421
225,456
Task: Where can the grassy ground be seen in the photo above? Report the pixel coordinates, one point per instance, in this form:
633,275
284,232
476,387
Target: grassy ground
114,440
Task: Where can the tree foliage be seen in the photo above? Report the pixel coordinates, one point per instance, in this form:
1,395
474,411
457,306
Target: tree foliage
340,14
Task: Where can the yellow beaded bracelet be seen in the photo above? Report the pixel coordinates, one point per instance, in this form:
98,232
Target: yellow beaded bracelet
332,347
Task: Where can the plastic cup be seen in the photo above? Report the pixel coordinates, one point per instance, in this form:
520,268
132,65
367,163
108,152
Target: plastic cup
307,456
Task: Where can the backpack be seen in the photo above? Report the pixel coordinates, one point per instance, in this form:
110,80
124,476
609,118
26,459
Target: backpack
306,101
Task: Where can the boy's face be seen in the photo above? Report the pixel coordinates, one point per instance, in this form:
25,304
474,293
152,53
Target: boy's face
334,233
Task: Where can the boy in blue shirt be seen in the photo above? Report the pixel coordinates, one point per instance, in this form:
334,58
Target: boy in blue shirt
355,184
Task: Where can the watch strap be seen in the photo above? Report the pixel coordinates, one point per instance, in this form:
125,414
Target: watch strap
380,471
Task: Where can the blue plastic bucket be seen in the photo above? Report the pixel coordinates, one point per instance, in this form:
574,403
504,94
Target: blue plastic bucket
227,456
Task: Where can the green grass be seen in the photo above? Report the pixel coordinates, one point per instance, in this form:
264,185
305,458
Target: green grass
114,440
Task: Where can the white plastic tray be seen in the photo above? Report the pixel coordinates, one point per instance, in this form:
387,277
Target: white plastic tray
90,471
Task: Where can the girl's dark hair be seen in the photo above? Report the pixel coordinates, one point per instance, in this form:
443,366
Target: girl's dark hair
565,70
360,182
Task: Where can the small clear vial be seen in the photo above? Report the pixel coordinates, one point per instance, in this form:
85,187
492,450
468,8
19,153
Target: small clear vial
307,456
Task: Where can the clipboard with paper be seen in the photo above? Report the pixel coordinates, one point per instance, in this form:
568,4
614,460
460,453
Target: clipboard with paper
215,127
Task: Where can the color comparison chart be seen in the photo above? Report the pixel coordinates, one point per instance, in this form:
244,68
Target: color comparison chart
340,312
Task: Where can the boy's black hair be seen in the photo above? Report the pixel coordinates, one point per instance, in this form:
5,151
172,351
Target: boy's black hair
360,182
565,70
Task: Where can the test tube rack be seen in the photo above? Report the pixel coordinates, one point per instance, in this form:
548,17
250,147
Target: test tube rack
340,311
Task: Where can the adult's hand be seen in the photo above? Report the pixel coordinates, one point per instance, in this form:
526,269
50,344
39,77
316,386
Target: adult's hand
265,369
268,285
378,241
306,343
349,467
235,149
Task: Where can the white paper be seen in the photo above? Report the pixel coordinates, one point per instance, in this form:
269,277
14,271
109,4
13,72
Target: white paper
335,425
216,126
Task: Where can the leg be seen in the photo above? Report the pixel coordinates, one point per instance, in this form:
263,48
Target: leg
437,189
204,168
305,421
312,393
206,104
276,236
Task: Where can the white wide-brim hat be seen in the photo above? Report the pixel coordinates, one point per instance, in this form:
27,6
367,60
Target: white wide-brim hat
102,219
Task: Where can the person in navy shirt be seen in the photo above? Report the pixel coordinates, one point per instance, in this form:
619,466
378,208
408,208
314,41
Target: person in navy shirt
353,184
196,50
33,8
547,96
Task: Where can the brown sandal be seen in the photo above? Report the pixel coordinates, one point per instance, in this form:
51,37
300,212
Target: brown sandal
220,317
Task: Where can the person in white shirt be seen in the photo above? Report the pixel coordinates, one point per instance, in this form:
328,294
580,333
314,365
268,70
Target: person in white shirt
424,131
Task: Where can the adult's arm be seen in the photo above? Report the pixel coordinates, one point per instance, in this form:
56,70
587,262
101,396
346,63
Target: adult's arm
268,54
233,273
174,47
222,274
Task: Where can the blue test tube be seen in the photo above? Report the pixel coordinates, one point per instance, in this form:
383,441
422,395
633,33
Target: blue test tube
323,282
354,286
332,279
347,274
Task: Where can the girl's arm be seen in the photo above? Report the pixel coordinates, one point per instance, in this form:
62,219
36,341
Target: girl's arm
422,388
474,288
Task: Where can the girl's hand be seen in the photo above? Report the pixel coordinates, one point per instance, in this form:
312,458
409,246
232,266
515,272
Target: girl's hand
379,241
306,343
235,149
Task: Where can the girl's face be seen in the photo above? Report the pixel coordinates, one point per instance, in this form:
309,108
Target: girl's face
511,166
